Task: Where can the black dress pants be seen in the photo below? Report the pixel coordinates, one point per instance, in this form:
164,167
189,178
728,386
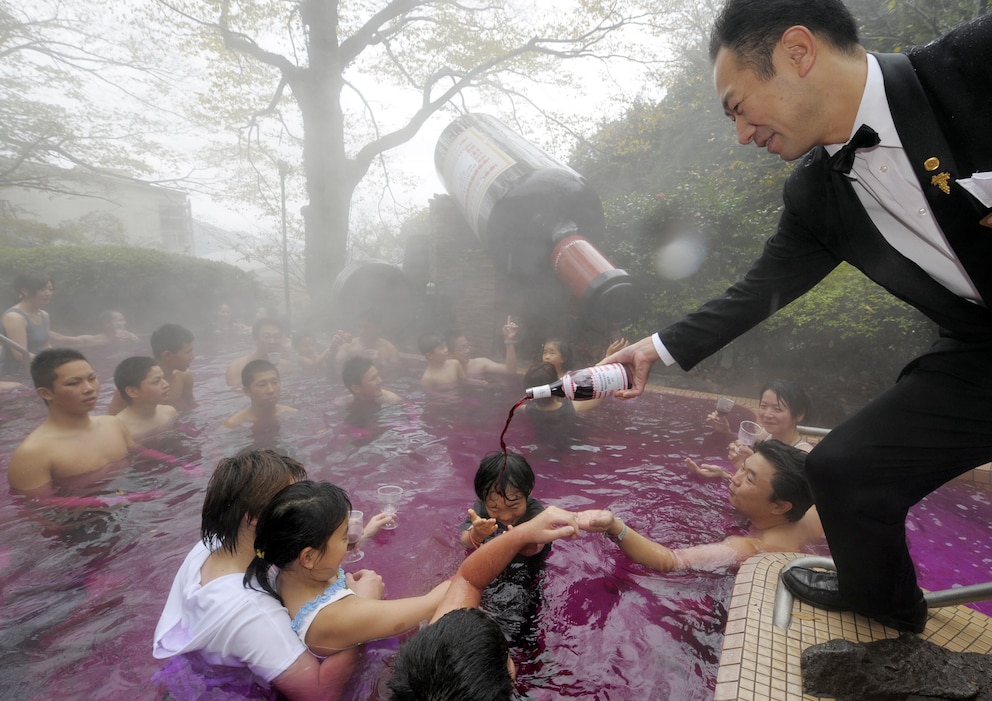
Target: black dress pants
934,424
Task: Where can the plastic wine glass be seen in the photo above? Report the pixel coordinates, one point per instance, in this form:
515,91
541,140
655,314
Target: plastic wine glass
356,523
749,432
724,405
389,497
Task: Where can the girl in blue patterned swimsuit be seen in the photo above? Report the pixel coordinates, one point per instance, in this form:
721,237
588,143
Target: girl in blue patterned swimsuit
304,533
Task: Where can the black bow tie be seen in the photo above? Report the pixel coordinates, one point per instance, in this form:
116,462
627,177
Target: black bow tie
864,137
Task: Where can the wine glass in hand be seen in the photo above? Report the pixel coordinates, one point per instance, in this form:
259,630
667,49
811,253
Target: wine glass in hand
389,497
749,433
356,522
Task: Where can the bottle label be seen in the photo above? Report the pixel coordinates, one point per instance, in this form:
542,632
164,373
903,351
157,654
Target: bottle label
605,380
540,392
471,165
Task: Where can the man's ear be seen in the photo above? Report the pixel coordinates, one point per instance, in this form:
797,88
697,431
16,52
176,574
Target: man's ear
132,391
800,47
45,393
781,507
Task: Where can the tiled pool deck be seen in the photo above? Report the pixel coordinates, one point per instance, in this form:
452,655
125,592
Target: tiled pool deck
760,662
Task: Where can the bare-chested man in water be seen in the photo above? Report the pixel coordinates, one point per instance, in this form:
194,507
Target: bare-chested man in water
260,381
770,489
70,447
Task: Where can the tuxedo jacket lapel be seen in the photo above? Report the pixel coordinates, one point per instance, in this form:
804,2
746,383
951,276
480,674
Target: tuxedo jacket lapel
934,164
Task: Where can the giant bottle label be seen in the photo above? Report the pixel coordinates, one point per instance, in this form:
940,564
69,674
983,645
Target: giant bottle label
471,165
520,202
513,194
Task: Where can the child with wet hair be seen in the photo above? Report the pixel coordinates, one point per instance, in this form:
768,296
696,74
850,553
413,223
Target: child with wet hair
557,352
304,533
503,487
561,354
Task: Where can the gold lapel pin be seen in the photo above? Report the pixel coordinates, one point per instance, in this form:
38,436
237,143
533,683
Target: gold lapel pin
931,164
942,180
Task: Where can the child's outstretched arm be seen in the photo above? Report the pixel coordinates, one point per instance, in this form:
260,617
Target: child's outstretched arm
479,529
355,620
482,566
376,524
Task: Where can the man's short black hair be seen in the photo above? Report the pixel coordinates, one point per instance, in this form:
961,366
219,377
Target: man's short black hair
353,370
253,367
48,361
789,482
131,372
750,29
170,337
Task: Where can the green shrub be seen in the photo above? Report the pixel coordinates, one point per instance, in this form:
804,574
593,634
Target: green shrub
150,287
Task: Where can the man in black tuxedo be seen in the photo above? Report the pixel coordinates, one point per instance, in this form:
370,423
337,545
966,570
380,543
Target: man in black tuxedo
894,202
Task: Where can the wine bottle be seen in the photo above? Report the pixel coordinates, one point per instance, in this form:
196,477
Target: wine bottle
531,212
588,383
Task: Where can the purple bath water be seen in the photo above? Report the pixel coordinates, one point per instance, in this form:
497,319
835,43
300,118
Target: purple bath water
80,594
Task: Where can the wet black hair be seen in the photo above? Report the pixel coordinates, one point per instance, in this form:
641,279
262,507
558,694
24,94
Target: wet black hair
354,369
170,337
32,281
791,395
131,372
48,361
302,515
752,28
253,367
540,374
789,482
451,335
461,656
428,342
241,487
497,473
564,350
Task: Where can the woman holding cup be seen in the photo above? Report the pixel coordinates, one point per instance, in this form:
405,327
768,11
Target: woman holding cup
782,405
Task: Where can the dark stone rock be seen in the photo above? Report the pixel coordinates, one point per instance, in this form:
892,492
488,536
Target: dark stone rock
898,669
